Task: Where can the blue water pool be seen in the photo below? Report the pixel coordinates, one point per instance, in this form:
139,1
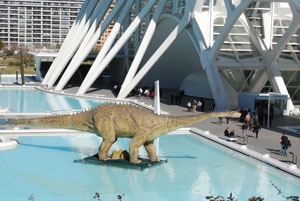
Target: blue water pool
29,100
44,167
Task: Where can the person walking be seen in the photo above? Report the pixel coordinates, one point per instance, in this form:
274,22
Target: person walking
189,106
282,140
286,146
199,105
256,129
194,106
244,130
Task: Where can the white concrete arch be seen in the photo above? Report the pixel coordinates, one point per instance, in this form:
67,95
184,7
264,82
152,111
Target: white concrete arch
90,40
98,12
196,25
99,67
161,49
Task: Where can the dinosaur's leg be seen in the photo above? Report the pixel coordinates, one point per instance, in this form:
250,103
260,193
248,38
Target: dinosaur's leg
134,144
150,148
106,129
104,148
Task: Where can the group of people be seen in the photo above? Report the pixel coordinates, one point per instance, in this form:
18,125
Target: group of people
250,122
147,92
193,106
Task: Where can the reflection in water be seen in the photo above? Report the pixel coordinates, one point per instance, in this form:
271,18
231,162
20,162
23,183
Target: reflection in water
196,168
24,100
201,186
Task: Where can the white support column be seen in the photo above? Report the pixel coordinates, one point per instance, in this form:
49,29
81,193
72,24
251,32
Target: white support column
161,50
260,82
96,70
97,19
211,23
271,58
257,41
215,82
80,19
100,10
271,22
199,37
87,45
156,98
207,57
144,45
277,83
275,53
153,59
37,61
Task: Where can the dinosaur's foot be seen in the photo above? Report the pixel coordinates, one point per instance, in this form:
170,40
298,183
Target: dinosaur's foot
154,160
135,161
103,158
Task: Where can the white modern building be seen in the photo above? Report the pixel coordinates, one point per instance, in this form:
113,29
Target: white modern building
36,23
208,48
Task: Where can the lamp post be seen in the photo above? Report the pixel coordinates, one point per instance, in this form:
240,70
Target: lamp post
269,100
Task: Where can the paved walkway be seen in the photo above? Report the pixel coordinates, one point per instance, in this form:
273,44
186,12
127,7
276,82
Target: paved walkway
266,143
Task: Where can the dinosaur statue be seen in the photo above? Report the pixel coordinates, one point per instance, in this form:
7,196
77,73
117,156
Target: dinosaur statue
111,121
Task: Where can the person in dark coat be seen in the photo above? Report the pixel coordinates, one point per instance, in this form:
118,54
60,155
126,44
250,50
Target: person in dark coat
226,132
282,141
286,146
256,129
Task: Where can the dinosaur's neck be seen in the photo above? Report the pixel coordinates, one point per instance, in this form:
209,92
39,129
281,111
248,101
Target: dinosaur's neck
178,122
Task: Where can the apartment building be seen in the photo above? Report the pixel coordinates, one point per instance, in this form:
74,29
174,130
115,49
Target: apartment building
104,36
36,23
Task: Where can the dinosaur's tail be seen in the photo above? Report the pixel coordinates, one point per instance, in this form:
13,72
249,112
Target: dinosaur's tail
60,121
82,121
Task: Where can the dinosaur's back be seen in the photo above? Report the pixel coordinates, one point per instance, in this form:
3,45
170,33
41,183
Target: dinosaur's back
127,121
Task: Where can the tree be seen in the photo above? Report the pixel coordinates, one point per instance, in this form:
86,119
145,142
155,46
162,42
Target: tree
22,67
1,45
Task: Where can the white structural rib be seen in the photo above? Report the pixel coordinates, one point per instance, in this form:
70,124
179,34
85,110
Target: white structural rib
159,52
144,45
271,58
108,43
207,56
197,22
96,68
232,17
79,19
87,45
100,11
82,19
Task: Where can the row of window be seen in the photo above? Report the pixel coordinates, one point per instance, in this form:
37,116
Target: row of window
15,40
